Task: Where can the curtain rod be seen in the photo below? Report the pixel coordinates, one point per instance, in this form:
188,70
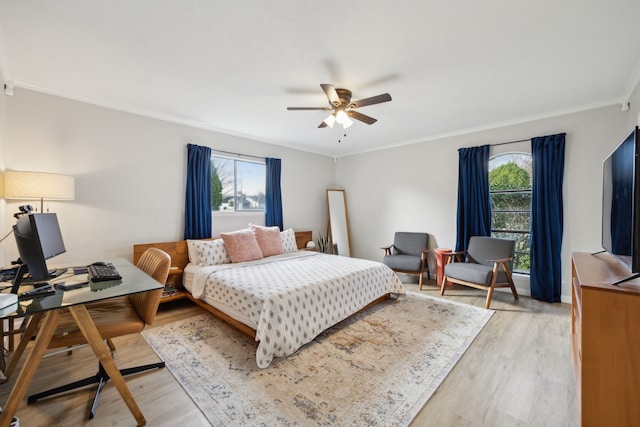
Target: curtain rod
510,142
238,154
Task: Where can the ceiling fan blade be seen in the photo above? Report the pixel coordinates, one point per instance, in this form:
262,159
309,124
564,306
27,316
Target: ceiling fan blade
322,125
385,97
308,108
362,117
331,93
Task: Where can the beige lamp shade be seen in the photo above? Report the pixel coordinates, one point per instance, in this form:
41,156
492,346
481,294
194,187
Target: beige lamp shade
38,186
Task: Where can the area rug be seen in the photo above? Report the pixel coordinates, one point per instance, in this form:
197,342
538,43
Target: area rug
377,368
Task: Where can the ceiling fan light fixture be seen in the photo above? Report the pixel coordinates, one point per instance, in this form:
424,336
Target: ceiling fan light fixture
341,117
343,108
330,120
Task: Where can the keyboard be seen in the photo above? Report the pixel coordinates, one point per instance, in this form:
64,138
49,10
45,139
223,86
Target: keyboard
103,273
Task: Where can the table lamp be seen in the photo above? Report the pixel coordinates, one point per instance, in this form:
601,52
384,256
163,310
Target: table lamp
22,185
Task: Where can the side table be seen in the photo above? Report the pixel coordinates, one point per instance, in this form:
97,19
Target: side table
440,262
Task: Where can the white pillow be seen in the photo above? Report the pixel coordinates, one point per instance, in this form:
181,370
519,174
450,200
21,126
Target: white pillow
288,238
192,250
210,252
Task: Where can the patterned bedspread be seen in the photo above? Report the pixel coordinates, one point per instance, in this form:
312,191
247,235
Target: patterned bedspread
293,297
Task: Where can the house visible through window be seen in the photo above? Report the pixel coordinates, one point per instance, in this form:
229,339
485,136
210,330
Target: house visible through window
237,185
510,191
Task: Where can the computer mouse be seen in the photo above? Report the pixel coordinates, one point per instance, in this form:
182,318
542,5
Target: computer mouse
99,263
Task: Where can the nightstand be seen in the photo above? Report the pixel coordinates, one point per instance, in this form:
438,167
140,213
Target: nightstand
173,287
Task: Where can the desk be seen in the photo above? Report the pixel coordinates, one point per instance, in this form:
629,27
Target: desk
46,310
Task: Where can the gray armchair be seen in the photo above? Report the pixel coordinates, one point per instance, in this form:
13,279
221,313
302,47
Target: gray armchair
487,266
408,254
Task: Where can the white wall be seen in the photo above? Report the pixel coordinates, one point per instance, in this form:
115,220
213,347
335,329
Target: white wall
634,112
4,222
414,187
130,177
130,174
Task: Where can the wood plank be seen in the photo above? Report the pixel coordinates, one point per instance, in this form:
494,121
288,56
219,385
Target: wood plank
526,339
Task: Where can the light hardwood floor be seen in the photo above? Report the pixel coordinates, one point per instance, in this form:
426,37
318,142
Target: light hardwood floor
518,372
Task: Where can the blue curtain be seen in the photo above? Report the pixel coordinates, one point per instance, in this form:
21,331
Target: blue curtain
197,209
547,217
474,205
273,198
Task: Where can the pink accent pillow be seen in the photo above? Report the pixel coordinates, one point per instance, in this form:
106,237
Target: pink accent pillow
241,245
268,239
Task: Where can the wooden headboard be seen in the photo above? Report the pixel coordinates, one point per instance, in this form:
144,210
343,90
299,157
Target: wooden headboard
180,256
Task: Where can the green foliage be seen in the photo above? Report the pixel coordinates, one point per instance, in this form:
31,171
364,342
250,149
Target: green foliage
511,208
216,189
509,176
323,243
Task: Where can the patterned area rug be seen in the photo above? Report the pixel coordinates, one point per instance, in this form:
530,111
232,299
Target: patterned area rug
376,368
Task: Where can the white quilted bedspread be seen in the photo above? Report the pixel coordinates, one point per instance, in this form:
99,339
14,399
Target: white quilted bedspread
293,297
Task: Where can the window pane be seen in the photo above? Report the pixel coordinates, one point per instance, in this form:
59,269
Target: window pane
514,221
250,183
511,201
510,172
237,185
222,184
522,261
510,192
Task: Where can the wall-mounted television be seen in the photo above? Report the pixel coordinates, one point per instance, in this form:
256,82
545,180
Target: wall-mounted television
621,203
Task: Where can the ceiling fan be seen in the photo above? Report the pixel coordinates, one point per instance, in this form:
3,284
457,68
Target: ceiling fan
343,108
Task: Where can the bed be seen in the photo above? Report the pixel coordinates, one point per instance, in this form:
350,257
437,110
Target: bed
284,300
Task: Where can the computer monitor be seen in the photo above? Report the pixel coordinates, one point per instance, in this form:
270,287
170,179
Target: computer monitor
38,238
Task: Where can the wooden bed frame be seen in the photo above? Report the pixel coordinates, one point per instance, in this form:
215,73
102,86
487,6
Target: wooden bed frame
180,258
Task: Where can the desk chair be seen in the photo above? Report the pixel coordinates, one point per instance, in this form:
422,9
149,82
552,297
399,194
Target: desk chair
113,318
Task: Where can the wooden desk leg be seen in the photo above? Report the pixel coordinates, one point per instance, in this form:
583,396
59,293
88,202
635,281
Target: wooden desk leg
24,340
90,332
30,366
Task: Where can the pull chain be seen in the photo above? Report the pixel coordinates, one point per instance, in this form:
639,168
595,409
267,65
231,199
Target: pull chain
340,138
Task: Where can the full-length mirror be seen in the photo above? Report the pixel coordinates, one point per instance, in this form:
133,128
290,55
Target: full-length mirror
338,222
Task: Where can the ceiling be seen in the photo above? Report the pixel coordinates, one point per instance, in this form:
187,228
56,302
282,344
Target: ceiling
451,66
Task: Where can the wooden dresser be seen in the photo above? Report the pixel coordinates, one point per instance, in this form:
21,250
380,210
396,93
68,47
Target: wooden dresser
605,336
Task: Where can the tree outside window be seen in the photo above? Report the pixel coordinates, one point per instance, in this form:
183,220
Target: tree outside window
510,191
237,185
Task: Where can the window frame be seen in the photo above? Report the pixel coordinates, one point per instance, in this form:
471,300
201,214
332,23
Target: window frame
236,160
498,232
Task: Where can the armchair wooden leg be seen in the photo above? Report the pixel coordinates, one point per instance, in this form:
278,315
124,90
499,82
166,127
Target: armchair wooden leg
513,291
507,272
421,275
111,345
489,296
444,282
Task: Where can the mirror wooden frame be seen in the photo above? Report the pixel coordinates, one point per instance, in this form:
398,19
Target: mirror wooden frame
338,229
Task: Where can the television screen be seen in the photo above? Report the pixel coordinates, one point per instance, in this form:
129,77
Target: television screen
620,187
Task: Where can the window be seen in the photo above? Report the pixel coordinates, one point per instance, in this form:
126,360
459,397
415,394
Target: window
510,192
237,185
